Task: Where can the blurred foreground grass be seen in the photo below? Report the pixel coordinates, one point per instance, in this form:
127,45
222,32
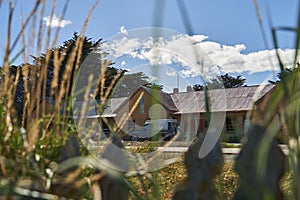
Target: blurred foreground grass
167,178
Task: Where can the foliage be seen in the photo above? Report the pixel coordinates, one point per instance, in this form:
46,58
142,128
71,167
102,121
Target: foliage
227,182
284,102
234,138
97,65
130,82
31,149
287,186
282,75
165,181
231,81
64,53
223,81
40,140
60,71
61,60
198,87
167,178
154,86
231,145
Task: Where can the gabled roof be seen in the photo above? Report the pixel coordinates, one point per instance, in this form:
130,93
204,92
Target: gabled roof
112,106
164,98
231,99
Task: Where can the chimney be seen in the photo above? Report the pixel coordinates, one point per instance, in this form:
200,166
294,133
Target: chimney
189,89
175,90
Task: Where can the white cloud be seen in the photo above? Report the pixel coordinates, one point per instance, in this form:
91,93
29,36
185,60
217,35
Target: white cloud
123,30
56,22
121,47
153,78
197,55
171,72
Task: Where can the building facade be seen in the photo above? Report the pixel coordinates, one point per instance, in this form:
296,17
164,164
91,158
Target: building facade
188,108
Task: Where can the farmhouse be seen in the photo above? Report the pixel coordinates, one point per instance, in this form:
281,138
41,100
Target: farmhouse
188,108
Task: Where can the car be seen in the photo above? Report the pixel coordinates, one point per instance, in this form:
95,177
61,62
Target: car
155,129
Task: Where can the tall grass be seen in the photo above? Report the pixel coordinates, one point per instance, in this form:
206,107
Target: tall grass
35,136
284,102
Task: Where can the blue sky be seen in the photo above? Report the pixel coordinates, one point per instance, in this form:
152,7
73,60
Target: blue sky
232,24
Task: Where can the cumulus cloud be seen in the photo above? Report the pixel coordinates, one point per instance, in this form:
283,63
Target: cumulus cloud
56,22
153,78
197,55
171,72
122,47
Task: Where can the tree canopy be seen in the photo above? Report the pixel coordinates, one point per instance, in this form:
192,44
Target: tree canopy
55,70
67,54
130,82
223,81
231,81
282,75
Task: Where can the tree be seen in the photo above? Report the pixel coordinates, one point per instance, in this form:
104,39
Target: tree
130,82
95,60
282,75
223,81
154,86
68,55
198,87
18,90
231,81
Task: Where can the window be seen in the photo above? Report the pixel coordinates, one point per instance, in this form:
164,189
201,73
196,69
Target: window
230,124
105,129
142,105
172,127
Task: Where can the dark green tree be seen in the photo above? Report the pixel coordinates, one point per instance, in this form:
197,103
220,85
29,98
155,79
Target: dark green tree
90,55
68,54
19,90
231,81
223,81
105,75
129,83
282,75
198,87
154,86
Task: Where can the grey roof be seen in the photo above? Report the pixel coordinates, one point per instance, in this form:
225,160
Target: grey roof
164,98
112,105
231,99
